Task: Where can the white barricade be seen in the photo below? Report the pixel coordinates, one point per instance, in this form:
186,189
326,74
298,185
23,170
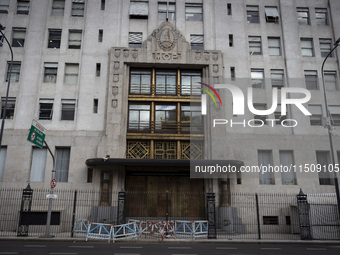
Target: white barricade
200,229
80,228
129,230
99,231
137,228
194,229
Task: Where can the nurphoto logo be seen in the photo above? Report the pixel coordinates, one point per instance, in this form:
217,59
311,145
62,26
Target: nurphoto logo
238,105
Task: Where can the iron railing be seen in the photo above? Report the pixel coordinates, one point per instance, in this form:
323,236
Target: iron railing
243,216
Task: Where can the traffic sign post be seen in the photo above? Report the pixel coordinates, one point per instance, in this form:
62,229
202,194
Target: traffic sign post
53,183
37,134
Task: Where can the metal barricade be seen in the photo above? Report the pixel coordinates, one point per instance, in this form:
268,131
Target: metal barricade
99,231
80,228
194,229
129,230
200,229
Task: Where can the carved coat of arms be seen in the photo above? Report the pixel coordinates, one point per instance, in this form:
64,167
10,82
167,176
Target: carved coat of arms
166,36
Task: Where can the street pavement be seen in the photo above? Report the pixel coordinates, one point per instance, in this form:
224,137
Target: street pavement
62,247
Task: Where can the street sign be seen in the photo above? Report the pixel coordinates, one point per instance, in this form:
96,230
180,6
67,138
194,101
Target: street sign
53,196
37,134
53,183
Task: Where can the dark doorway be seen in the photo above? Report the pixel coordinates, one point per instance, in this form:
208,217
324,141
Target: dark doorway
146,196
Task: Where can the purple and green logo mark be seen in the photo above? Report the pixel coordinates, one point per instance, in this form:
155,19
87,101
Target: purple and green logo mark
204,97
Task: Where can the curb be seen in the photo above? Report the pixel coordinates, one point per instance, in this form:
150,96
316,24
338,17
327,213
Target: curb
203,241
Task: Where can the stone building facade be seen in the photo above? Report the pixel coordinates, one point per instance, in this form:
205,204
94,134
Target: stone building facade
114,82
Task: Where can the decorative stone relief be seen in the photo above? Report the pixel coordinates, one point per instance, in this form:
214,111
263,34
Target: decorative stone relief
215,68
115,90
166,36
114,103
117,53
116,77
215,56
126,53
116,65
206,56
198,55
135,54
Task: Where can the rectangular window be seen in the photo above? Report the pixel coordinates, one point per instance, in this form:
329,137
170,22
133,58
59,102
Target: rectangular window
335,114
23,7
139,10
229,9
58,7
231,40
3,152
330,80
325,177
95,105
98,67
71,73
50,72
316,117
166,118
265,158
68,108
277,78
78,8
139,117
135,39
45,109
260,119
252,14
74,40
255,45
38,165
140,81
232,73
325,47
287,160
102,5
193,12
54,38
89,175
270,220
279,118
274,46
18,39
197,42
100,35
307,47
190,80
303,16
15,74
257,78
321,16
166,82
62,164
272,15
311,78
166,11
10,107
191,119
4,6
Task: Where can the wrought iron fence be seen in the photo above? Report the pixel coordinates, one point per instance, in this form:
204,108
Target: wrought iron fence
238,215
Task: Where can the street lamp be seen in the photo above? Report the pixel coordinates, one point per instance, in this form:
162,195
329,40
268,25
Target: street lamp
329,126
8,84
